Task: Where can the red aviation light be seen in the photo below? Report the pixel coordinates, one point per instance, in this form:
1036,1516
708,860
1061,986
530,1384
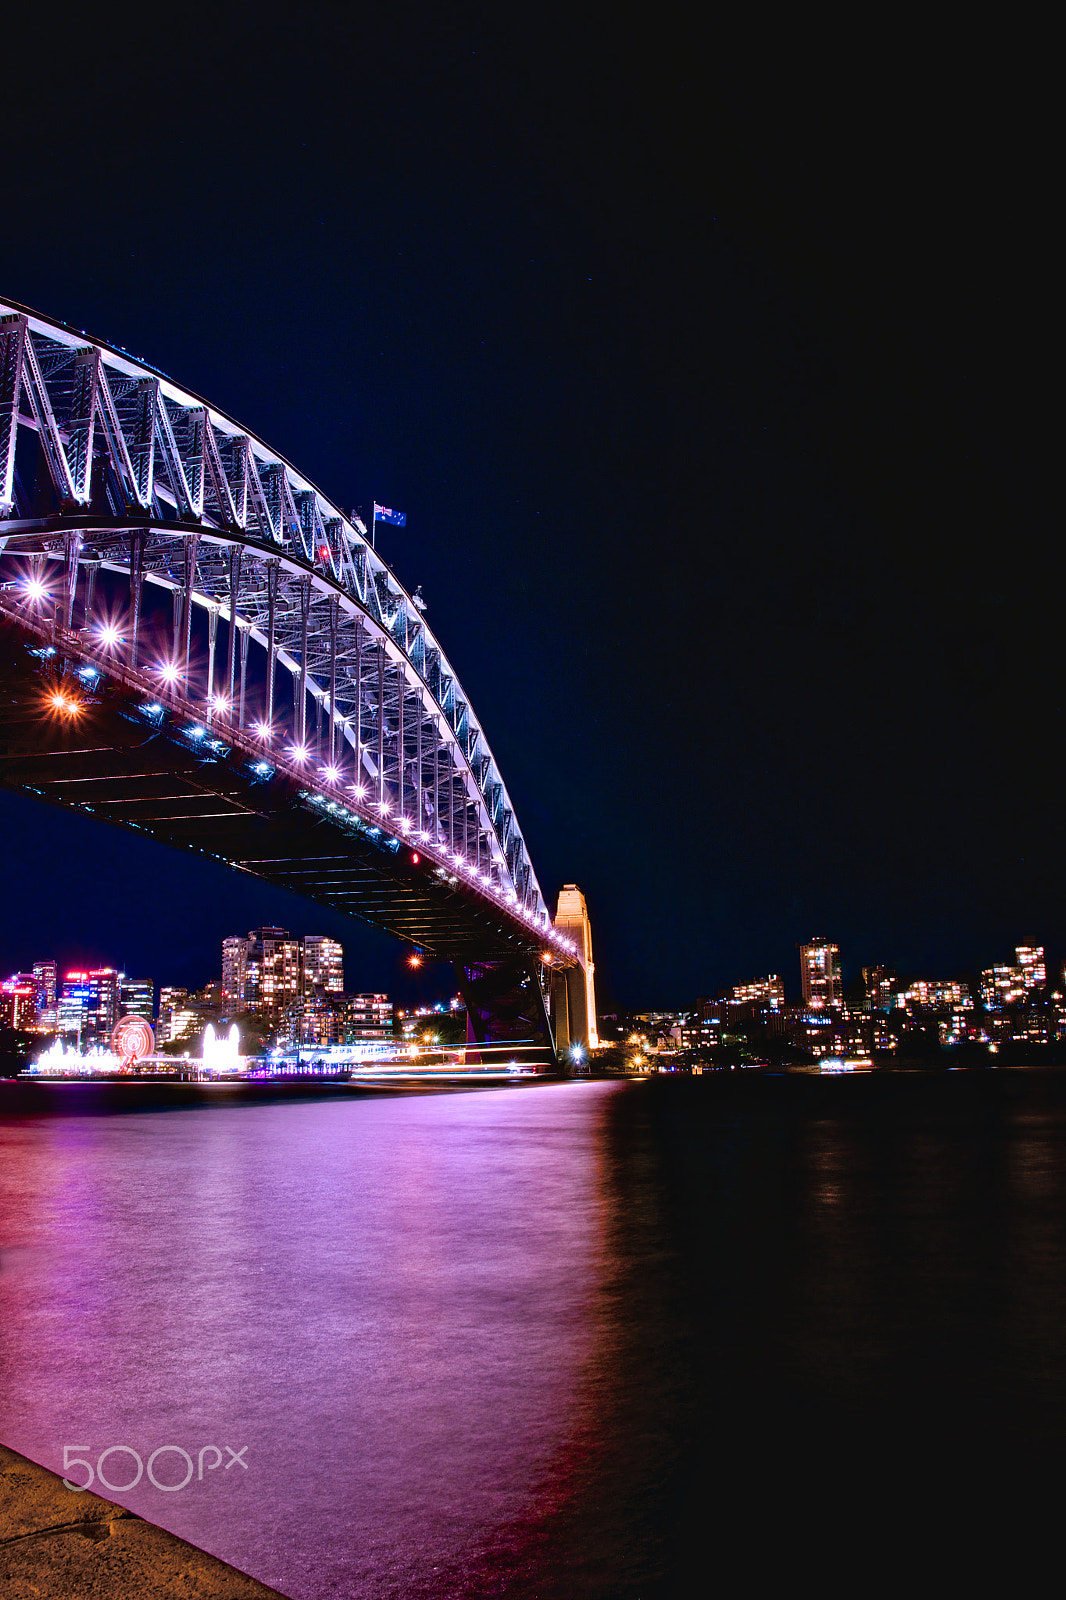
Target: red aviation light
415,857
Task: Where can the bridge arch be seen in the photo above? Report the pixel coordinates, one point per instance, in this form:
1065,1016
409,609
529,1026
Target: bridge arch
133,475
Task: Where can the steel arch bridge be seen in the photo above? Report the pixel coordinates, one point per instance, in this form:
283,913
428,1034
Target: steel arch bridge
370,786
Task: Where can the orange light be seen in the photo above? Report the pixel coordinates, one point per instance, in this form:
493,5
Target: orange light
414,961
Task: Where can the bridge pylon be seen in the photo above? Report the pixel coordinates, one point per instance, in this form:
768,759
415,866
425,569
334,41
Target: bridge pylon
573,990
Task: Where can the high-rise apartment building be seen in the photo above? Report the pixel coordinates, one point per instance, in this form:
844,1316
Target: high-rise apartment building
322,965
1002,986
260,974
1030,957
234,975
820,975
880,984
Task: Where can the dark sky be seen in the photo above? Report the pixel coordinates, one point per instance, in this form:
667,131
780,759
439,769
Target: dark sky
713,374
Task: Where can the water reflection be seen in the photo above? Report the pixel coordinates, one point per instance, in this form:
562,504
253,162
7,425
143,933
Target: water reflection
386,1299
581,1342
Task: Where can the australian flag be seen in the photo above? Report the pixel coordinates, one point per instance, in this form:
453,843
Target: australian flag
397,518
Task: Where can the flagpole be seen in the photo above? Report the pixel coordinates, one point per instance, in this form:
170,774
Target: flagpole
374,528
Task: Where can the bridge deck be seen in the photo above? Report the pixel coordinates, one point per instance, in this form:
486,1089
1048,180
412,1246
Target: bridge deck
120,763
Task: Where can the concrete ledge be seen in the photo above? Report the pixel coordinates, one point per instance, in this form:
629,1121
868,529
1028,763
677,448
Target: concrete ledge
54,1543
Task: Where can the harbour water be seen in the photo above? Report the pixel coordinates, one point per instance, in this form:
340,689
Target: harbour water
586,1340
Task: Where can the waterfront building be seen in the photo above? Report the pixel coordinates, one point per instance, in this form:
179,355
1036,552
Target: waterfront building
234,975
260,974
1030,957
924,995
880,984
770,989
172,1001
136,997
88,1004
367,1016
322,965
820,975
1002,986
18,1002
46,974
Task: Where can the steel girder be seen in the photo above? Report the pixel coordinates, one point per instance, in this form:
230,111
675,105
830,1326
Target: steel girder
144,479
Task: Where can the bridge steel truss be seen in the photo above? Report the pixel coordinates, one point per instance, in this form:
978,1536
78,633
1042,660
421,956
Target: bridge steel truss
146,480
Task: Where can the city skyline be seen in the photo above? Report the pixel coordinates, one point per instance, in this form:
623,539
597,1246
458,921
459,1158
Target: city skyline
996,985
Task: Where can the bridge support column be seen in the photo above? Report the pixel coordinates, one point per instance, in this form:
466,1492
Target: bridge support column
573,990
137,540
333,607
244,632
401,686
305,609
381,726
212,637
235,554
192,540
505,1008
272,606
73,544
91,569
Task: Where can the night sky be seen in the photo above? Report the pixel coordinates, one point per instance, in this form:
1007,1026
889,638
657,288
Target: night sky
714,375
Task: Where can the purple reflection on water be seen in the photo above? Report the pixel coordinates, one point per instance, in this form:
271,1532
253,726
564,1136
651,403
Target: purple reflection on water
387,1300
